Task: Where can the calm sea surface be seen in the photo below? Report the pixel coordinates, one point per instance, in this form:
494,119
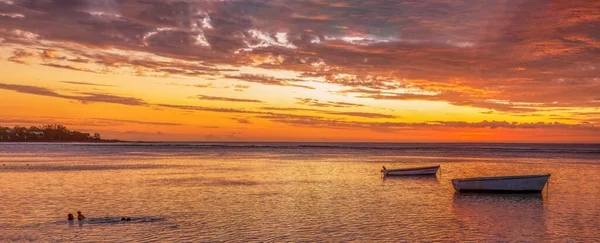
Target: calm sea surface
292,192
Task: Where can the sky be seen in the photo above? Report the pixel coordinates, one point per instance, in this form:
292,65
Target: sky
304,71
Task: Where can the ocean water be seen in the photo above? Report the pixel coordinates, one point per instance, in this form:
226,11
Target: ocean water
282,192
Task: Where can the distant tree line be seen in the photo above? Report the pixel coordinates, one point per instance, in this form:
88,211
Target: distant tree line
45,133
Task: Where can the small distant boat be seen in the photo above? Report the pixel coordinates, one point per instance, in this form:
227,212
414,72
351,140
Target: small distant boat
522,183
429,170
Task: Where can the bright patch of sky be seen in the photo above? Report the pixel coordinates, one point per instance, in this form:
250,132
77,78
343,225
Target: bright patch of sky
201,39
206,22
373,39
359,40
12,15
461,44
279,39
24,34
104,14
151,33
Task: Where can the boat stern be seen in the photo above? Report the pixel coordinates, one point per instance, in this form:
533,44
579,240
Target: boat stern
455,185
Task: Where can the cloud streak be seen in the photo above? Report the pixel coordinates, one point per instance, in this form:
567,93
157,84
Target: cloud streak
86,84
83,98
386,127
342,113
216,98
95,122
209,109
317,103
69,67
266,80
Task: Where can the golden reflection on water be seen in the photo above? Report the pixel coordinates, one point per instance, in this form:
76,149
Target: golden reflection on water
284,195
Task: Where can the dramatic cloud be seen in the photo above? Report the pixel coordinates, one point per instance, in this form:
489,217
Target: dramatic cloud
516,52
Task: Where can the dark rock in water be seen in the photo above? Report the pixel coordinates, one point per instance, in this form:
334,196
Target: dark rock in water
114,220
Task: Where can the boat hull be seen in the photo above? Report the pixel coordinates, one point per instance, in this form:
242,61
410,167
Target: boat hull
432,170
502,184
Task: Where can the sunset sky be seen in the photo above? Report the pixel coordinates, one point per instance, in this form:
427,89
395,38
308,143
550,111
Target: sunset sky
313,70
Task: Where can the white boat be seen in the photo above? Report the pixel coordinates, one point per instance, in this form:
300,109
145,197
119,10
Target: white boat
429,170
522,183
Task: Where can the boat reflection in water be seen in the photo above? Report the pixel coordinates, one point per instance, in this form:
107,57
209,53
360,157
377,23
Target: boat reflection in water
416,171
504,217
425,179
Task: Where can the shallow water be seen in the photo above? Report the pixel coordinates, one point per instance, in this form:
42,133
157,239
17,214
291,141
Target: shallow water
292,192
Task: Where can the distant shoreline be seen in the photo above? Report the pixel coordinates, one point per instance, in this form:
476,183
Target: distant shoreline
65,141
114,141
